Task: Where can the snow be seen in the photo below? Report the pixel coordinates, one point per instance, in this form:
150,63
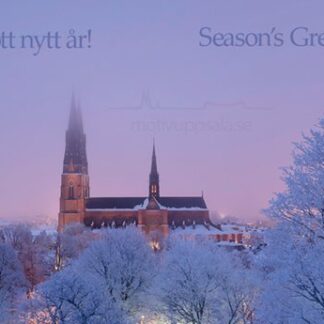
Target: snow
186,208
144,206
198,230
137,207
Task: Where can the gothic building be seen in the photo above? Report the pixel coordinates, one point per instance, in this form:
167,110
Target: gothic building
151,213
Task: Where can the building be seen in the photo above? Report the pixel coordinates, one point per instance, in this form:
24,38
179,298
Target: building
154,213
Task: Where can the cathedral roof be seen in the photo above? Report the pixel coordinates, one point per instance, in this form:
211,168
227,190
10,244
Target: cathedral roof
139,202
183,202
115,202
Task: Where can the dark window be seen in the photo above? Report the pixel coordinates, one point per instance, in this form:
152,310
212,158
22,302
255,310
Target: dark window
71,192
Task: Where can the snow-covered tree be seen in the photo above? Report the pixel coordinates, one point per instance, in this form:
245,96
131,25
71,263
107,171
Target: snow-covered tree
239,289
72,297
36,253
302,203
123,263
12,282
44,250
107,284
293,261
201,283
293,289
71,243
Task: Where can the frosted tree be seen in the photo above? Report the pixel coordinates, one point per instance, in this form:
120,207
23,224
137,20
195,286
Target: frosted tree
302,203
71,243
36,253
12,282
106,284
293,290
123,263
292,263
44,250
72,297
239,289
200,283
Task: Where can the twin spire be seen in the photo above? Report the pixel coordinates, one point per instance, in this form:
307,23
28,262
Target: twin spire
75,158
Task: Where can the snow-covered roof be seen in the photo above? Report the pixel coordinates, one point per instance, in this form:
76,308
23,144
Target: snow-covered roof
197,230
137,203
232,228
208,230
139,206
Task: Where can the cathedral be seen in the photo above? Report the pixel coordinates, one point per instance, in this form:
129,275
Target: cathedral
153,213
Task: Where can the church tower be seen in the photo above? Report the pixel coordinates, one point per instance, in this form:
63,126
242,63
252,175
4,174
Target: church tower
154,186
75,179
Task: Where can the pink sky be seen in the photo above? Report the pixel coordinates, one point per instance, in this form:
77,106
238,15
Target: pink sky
151,49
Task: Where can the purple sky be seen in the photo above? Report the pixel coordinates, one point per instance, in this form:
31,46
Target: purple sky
152,47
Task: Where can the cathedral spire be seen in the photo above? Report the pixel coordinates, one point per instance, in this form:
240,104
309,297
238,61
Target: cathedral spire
154,187
75,189
79,116
154,164
73,119
75,158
